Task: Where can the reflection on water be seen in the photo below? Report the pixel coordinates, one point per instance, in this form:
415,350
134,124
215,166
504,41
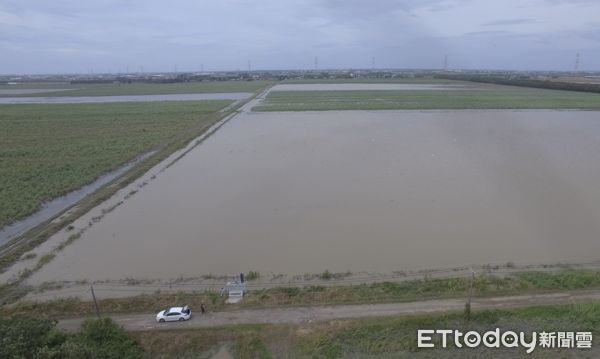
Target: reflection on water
358,190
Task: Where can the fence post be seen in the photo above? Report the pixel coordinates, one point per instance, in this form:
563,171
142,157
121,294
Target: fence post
95,301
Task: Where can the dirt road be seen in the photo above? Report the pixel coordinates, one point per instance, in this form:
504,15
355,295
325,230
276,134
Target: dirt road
295,315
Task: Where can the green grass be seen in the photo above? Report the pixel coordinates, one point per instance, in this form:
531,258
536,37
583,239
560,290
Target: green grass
142,88
396,336
389,337
387,292
485,98
49,150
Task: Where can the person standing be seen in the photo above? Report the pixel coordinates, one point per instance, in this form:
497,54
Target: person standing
202,308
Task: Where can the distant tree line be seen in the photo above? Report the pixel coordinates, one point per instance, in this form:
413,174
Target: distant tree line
524,82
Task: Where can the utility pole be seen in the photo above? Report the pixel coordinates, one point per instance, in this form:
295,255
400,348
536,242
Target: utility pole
577,62
95,301
468,305
316,63
249,65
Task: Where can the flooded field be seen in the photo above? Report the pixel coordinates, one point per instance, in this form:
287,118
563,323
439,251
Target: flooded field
299,192
56,206
371,87
129,98
14,92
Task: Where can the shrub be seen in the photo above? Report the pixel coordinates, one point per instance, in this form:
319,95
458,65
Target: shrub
252,275
327,275
25,337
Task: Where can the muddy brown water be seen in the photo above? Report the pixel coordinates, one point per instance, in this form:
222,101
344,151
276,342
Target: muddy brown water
299,192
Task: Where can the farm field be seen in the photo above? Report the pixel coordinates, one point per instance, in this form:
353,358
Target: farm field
485,97
138,88
407,80
48,150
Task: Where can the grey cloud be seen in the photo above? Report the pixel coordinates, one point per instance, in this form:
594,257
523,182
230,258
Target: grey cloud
510,22
487,33
71,35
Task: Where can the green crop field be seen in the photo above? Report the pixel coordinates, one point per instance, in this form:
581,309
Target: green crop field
48,150
501,97
138,88
370,80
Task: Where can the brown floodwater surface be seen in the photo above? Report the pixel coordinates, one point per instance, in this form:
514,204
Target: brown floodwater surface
299,192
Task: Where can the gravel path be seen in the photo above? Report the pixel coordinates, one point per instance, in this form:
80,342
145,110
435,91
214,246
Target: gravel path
295,315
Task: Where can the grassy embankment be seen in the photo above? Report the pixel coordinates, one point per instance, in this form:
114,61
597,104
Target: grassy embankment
413,290
488,98
138,88
390,337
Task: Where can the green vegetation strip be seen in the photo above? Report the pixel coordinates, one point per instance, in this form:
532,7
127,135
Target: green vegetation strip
390,337
118,89
414,290
394,337
485,98
30,337
49,150
370,80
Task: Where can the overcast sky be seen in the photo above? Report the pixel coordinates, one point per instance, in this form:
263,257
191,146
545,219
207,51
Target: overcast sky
83,35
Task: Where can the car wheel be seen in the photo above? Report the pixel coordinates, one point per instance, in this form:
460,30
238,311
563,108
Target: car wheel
181,319
161,320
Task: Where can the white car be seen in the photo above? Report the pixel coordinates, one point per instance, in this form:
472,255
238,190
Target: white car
174,314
